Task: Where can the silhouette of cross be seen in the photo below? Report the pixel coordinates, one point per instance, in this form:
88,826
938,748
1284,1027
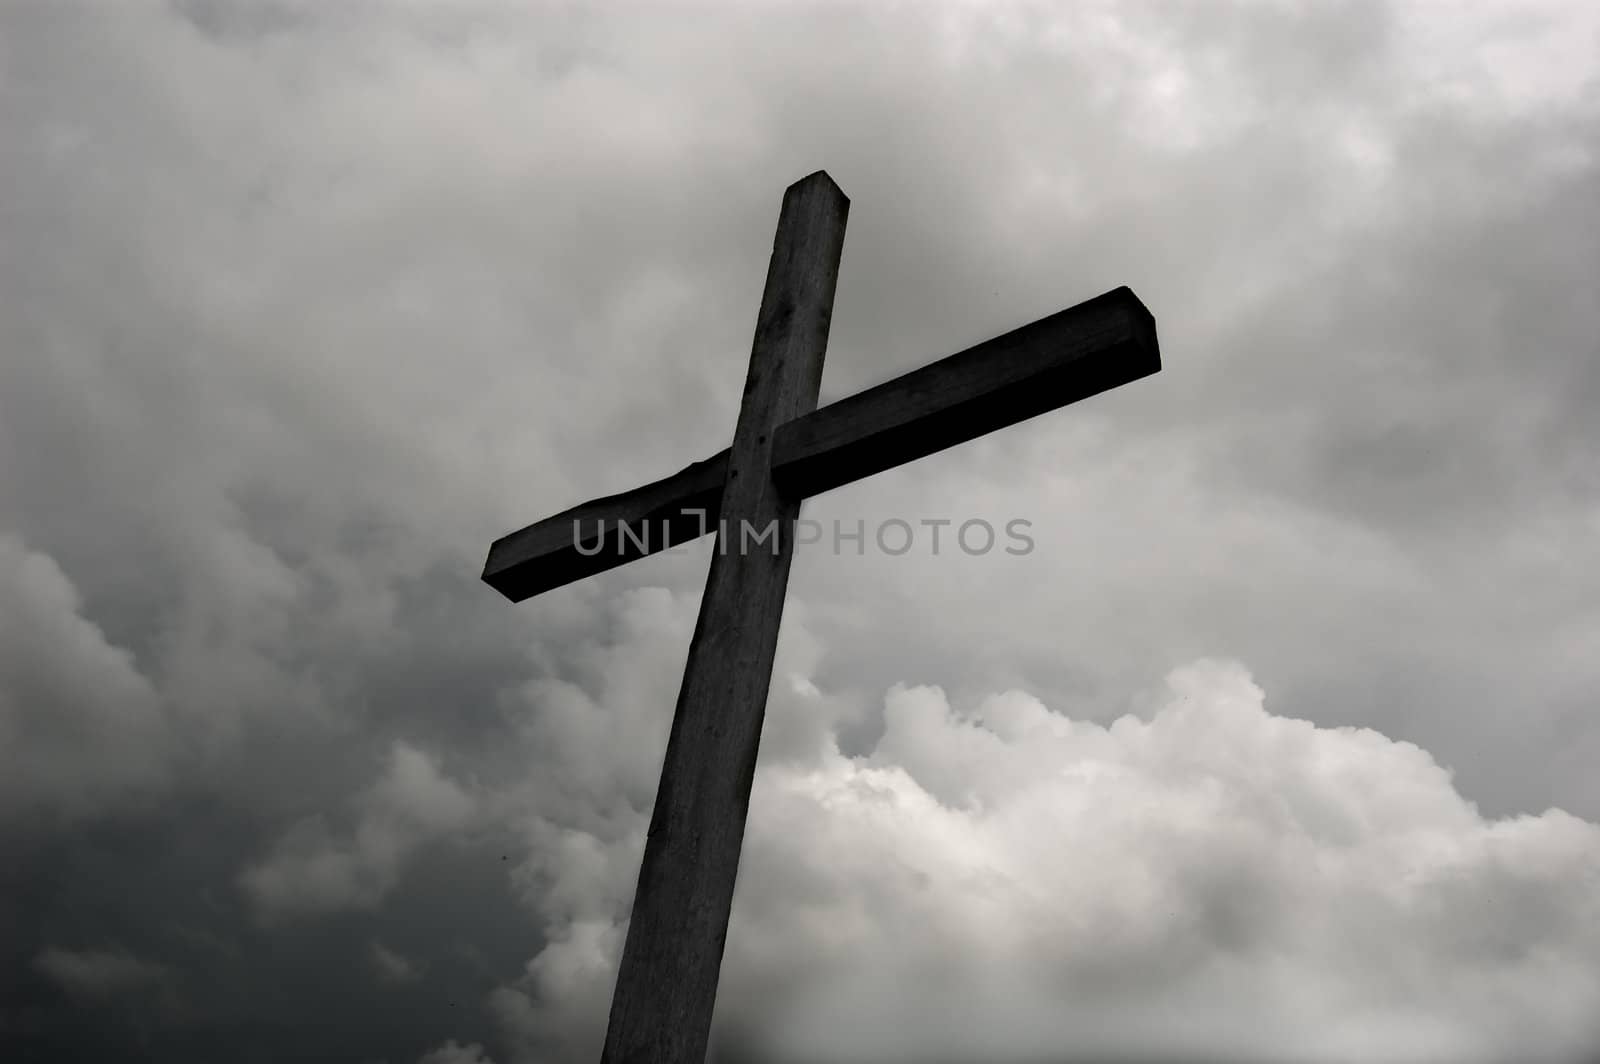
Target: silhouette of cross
784,449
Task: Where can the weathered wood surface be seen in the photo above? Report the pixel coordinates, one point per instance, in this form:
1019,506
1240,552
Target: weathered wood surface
1071,355
587,539
667,981
1092,347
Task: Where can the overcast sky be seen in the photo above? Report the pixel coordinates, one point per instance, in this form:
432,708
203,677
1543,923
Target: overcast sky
1280,744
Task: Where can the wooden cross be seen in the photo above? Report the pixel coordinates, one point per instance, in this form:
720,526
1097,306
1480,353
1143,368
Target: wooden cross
784,449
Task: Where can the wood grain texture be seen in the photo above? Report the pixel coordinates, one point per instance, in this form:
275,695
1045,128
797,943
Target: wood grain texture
587,539
667,980
1078,352
1071,355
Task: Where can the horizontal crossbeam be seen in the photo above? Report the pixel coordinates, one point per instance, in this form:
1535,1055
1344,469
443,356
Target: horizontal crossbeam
1090,348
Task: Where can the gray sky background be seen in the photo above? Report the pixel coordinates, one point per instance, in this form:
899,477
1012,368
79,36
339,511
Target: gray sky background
1279,745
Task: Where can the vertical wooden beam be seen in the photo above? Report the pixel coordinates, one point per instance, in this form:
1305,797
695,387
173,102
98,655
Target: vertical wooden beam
667,981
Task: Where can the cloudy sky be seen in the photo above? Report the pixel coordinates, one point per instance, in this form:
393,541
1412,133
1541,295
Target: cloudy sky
1279,745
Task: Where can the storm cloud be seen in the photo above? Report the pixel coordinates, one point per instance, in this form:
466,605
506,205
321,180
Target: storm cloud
1279,744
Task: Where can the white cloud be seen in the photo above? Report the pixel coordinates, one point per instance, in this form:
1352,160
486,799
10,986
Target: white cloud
315,869
80,726
453,1052
394,967
1212,878
557,1010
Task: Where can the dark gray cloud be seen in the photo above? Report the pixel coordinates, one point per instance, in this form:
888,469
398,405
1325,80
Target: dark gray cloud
301,305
